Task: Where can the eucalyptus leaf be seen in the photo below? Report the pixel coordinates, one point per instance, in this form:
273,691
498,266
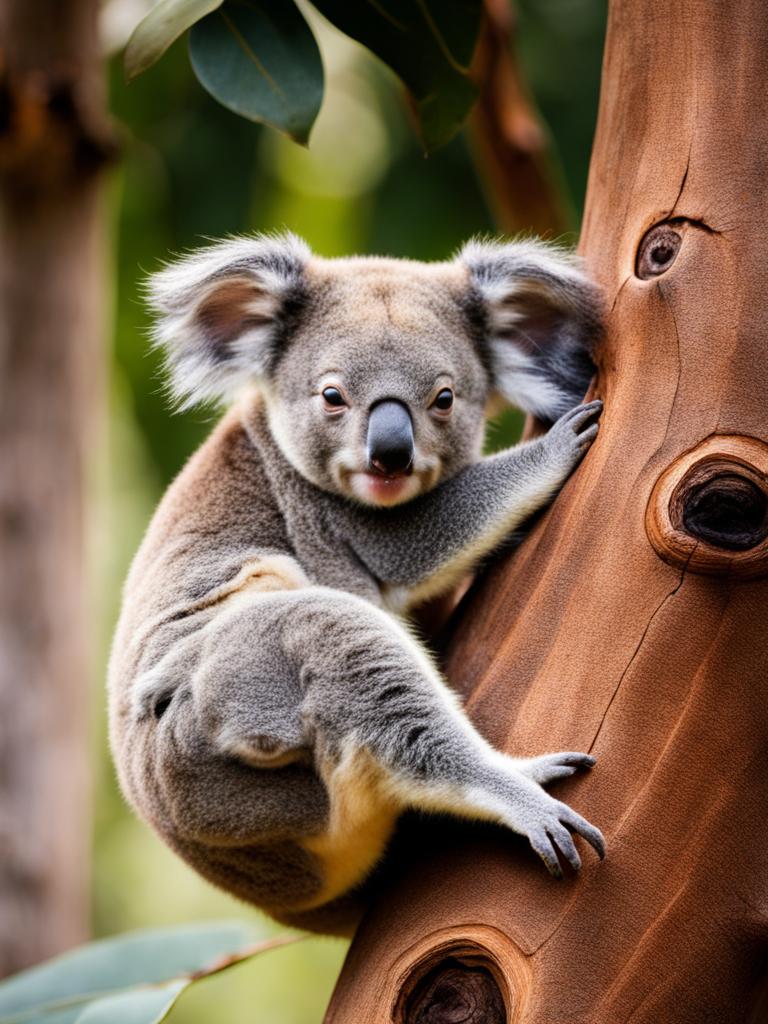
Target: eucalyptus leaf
146,957
139,1006
428,44
49,1016
163,25
260,59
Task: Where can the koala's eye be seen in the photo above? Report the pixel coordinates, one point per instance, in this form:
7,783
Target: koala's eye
444,400
333,398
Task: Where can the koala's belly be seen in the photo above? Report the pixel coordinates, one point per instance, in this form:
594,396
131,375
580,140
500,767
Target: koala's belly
278,877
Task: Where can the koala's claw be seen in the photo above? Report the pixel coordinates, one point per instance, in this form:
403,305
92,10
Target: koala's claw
550,767
555,834
575,420
586,437
581,413
571,436
547,843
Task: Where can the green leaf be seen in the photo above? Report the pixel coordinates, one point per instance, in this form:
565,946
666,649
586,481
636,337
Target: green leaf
260,59
50,1016
147,957
428,44
140,1006
167,20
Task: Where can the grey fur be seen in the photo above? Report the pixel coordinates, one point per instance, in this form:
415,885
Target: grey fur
270,716
540,299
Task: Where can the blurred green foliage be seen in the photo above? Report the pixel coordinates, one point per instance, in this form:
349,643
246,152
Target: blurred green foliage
133,978
190,171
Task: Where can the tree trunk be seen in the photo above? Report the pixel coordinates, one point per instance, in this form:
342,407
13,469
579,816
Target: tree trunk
633,621
52,144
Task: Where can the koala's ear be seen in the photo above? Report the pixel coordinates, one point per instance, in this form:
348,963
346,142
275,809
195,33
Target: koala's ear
542,316
220,312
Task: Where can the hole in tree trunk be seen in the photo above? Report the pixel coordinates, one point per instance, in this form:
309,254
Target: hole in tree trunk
708,511
455,993
728,510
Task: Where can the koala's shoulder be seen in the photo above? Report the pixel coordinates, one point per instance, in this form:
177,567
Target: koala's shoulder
222,498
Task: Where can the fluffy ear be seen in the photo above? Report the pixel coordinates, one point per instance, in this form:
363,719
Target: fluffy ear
220,312
542,316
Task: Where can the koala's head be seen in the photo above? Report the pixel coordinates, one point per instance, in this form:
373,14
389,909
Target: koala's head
377,373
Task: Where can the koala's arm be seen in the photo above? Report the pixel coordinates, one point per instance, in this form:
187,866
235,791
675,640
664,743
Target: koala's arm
429,544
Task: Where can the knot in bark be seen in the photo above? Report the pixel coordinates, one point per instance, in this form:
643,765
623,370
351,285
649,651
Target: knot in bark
455,993
708,511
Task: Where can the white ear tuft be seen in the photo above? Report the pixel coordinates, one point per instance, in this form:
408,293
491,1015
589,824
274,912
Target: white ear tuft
220,310
542,317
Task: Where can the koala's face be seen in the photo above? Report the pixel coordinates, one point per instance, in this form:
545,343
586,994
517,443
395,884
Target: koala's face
377,372
379,392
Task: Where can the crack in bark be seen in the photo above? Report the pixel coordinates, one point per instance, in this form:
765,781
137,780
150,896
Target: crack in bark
670,307
637,649
685,173
672,593
619,291
690,149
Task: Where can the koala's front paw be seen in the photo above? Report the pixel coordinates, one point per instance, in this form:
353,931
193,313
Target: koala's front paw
574,432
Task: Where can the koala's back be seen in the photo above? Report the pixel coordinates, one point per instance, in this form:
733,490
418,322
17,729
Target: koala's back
219,507
230,525
219,518
222,495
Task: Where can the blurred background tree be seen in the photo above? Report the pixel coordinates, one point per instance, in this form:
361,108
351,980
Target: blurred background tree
191,170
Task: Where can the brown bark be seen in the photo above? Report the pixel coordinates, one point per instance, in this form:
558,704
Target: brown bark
509,141
633,621
52,144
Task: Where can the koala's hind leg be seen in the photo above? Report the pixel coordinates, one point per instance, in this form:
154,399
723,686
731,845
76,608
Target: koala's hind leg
370,689
369,727
212,747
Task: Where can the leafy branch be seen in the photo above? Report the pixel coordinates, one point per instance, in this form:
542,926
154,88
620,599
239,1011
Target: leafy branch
260,58
131,979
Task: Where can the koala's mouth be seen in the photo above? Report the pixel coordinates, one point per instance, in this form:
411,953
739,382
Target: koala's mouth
373,487
383,474
370,486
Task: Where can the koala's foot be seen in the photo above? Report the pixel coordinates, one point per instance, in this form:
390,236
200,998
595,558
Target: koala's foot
553,833
570,438
547,823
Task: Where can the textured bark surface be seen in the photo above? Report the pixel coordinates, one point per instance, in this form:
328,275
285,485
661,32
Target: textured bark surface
51,285
633,622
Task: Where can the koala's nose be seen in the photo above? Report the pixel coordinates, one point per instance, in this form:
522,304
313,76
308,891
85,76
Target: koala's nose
390,437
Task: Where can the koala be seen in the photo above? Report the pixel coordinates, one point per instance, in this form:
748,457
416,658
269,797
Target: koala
272,712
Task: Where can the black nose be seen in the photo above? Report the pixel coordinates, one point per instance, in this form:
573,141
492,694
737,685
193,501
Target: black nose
390,437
